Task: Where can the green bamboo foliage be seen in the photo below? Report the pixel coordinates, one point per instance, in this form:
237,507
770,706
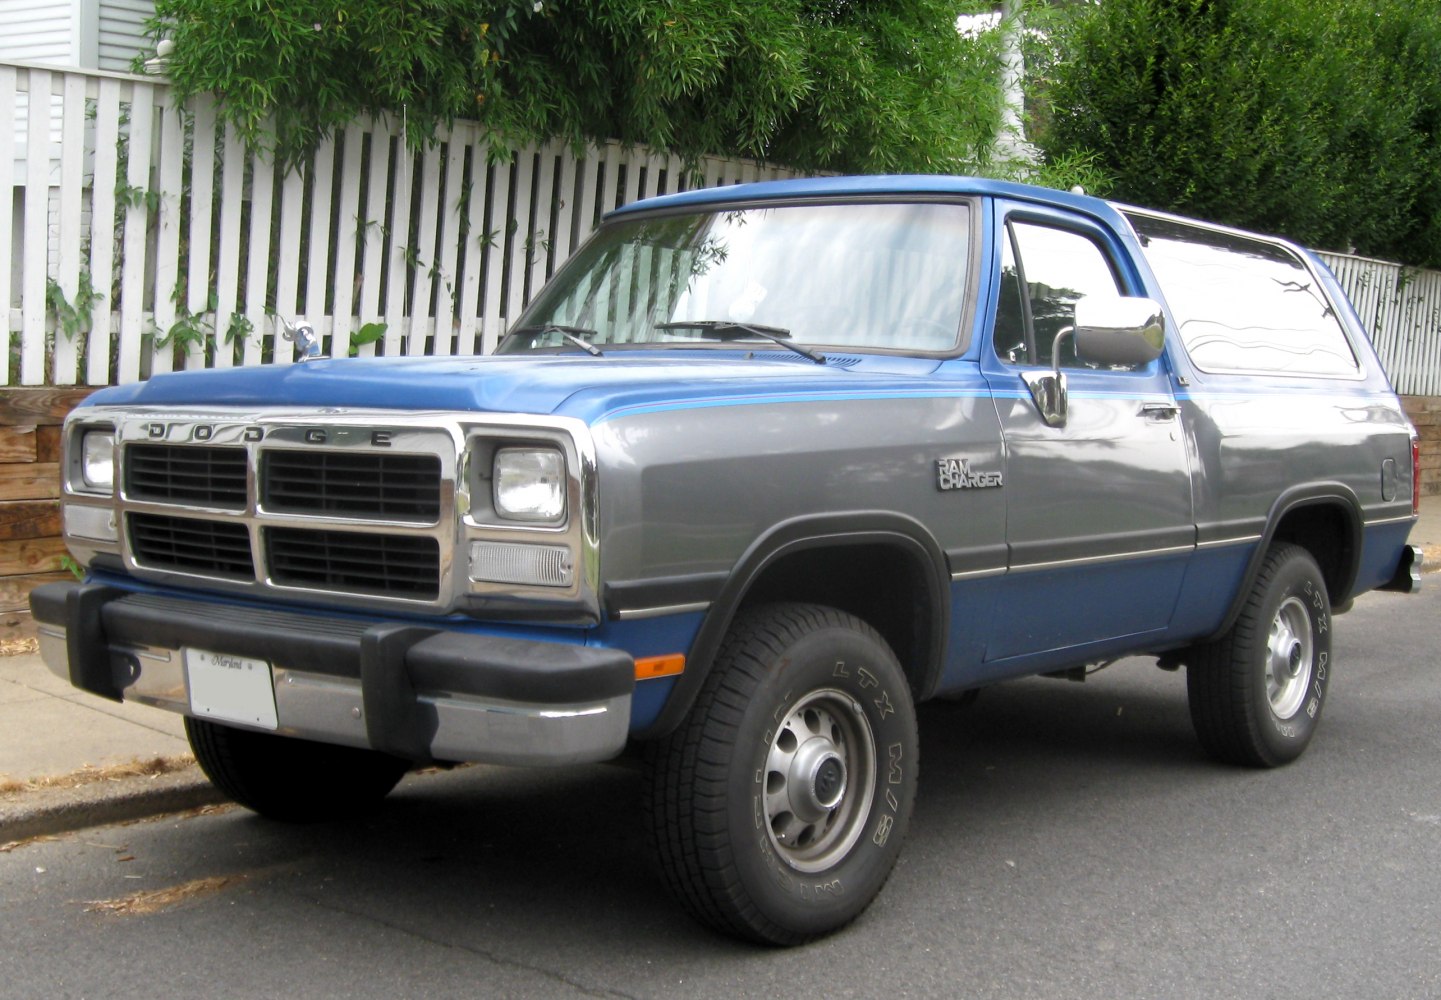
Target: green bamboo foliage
846,85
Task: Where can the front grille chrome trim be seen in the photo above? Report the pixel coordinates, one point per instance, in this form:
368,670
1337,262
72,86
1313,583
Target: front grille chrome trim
428,525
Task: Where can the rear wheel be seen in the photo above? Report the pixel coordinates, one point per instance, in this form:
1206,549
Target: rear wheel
777,810
1256,694
292,779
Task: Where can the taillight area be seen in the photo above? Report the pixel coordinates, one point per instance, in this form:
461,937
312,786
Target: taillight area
1415,476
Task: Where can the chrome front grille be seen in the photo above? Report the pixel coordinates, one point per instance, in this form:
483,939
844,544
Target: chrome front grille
367,510
342,509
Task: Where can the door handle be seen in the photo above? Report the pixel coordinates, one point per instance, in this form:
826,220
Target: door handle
1160,411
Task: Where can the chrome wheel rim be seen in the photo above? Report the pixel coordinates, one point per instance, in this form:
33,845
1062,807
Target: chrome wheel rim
820,773
1289,656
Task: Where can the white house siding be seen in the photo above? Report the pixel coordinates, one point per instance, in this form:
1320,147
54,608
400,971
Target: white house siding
122,32
90,34
37,31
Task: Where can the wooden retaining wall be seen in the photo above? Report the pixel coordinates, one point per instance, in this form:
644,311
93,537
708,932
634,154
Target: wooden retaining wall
31,552
1425,413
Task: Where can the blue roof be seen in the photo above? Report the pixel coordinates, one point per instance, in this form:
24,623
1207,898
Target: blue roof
870,186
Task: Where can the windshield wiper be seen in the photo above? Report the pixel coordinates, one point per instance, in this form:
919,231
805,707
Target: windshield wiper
725,329
574,334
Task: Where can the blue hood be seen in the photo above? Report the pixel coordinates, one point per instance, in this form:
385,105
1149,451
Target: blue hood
582,387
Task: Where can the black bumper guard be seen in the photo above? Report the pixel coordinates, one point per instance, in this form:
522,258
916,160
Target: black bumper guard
392,661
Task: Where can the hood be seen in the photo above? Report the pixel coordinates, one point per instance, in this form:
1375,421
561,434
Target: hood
563,385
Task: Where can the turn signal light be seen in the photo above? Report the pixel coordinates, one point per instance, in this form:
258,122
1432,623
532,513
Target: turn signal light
651,667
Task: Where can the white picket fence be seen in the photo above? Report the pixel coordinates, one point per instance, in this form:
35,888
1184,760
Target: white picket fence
144,238
179,247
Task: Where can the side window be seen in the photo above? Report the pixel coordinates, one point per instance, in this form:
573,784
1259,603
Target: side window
1244,304
1045,271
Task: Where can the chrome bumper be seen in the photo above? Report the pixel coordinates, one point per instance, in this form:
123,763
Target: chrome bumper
418,692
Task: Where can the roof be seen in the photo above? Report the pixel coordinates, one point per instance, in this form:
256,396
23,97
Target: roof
885,185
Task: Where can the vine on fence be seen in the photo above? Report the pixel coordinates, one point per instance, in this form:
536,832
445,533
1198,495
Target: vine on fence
369,333
72,318
193,331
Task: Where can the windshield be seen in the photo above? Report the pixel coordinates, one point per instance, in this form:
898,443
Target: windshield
848,276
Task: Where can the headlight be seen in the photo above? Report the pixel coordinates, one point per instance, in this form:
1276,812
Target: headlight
530,484
97,459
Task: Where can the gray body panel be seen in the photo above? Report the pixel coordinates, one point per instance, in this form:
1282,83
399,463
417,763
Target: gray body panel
744,469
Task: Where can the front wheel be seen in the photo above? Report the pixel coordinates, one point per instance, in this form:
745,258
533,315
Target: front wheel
778,808
1256,694
291,779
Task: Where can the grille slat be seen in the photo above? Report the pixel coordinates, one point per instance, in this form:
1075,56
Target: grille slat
395,565
216,548
359,485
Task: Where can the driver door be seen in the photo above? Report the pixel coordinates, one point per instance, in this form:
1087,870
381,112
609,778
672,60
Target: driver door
1099,521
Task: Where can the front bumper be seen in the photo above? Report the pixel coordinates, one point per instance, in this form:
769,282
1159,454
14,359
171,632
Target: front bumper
418,692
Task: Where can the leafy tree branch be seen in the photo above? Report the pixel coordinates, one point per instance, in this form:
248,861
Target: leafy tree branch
852,85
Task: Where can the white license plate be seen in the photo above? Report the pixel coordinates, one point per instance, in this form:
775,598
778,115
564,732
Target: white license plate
230,688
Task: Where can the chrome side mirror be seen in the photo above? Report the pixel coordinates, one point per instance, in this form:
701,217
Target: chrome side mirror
1109,330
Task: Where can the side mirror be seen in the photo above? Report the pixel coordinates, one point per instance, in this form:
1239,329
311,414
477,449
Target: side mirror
1109,330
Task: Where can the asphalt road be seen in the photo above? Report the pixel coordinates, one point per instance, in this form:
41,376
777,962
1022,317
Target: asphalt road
1070,841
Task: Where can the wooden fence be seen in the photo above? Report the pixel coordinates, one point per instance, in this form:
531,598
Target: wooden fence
167,245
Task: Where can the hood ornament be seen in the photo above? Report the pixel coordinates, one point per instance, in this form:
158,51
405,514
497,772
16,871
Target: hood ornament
304,337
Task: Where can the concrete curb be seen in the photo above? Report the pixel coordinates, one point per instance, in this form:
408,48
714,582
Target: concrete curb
49,811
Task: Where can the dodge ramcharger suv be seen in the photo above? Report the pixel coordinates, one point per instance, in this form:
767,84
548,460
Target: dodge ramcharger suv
759,469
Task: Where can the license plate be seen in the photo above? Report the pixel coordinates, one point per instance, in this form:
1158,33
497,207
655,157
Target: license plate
230,688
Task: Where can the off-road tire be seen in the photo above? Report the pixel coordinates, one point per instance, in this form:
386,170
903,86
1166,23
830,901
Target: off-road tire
778,808
1257,693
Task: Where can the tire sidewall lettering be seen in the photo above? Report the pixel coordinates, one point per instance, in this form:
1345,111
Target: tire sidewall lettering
871,857
1297,727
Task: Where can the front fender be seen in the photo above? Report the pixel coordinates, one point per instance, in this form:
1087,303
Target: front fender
897,533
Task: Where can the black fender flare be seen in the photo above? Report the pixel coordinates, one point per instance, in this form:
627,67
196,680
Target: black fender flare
1294,499
885,528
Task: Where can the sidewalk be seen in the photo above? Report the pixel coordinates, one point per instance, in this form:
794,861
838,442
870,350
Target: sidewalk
70,760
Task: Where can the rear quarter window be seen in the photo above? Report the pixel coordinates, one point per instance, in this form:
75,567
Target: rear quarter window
1245,305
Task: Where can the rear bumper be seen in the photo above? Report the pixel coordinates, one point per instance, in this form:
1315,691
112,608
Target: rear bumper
1407,578
418,692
